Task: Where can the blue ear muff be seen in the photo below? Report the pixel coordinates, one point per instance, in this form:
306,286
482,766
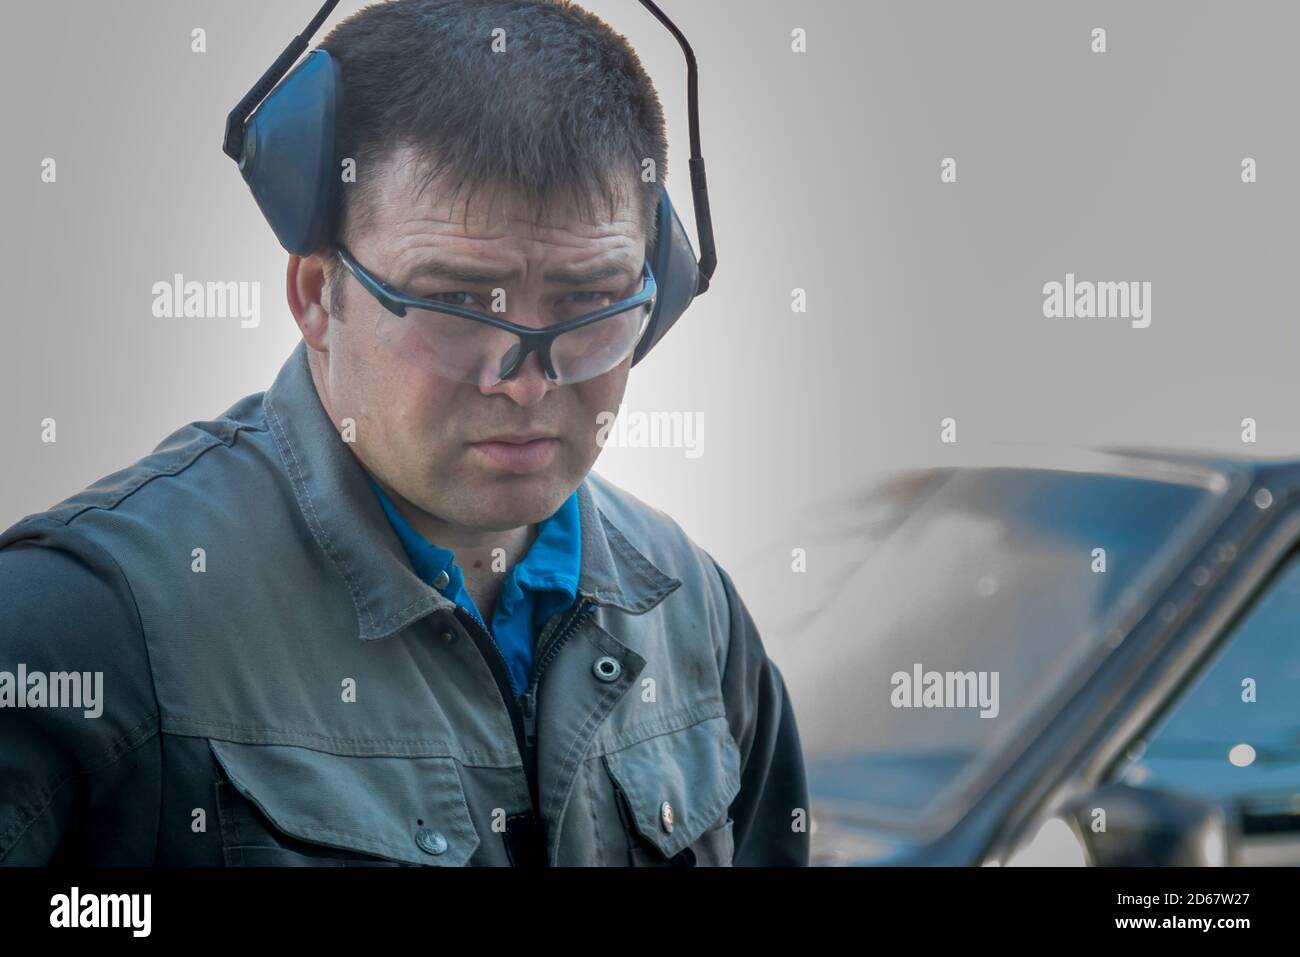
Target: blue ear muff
289,159
676,271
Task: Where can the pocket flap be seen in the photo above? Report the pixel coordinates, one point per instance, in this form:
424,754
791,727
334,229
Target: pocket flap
695,770
405,809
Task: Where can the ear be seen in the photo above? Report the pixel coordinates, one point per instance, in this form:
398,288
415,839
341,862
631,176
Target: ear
305,288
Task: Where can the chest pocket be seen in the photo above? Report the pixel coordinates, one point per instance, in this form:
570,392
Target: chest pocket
287,806
674,791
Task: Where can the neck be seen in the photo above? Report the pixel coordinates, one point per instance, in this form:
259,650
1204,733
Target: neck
474,547
475,550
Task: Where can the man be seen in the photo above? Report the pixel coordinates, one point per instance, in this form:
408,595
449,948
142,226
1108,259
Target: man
383,613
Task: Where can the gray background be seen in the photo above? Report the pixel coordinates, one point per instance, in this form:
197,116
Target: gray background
924,299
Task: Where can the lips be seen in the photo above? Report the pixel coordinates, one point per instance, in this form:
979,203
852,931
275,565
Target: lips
518,438
510,454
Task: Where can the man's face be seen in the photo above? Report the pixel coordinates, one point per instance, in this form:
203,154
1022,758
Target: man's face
417,431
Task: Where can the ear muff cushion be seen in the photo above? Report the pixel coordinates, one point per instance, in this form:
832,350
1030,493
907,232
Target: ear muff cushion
289,155
676,271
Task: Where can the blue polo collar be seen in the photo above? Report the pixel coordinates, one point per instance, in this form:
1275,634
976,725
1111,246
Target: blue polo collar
552,563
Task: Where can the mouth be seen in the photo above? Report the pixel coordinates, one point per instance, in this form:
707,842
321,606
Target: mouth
517,438
520,454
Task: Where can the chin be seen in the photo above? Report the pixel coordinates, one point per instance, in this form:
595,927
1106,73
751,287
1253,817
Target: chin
521,500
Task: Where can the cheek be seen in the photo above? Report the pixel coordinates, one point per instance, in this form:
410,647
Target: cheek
399,402
353,365
608,389
602,394
400,409
419,406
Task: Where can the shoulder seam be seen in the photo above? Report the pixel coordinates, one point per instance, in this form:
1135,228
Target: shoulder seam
149,474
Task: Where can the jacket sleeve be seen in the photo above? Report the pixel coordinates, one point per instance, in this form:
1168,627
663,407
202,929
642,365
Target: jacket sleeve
771,810
78,784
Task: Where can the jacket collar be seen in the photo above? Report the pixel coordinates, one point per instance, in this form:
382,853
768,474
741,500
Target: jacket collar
349,525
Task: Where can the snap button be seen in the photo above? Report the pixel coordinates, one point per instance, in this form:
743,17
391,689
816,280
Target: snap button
430,841
441,580
607,668
666,816
448,635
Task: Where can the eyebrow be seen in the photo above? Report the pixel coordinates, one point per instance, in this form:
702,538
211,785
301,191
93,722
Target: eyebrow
561,275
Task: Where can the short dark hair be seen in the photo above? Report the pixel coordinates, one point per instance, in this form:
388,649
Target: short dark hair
566,113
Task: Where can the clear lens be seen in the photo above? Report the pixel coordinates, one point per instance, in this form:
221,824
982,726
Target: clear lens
474,352
450,346
593,350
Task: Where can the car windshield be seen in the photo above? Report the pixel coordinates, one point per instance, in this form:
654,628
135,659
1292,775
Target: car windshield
998,581
1208,744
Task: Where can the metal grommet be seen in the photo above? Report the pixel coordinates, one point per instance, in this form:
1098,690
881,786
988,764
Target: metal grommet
430,841
606,668
666,816
441,580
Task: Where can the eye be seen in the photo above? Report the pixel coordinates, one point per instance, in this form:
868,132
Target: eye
598,295
463,299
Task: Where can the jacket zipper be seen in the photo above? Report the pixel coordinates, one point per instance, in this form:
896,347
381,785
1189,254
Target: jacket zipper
529,697
522,708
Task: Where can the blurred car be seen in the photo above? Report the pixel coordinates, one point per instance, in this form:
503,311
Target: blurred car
1142,614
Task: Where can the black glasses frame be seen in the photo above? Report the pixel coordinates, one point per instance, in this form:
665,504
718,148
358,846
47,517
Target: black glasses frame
530,339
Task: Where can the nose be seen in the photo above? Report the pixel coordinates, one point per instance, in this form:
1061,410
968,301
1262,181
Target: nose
528,385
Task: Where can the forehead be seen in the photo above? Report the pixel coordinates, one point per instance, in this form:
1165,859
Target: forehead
407,209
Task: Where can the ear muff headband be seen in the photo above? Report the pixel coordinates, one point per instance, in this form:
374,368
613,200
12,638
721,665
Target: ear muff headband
288,154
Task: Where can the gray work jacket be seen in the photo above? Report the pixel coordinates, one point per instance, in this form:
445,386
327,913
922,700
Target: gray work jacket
280,688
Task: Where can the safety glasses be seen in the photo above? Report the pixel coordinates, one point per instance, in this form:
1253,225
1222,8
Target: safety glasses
574,343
